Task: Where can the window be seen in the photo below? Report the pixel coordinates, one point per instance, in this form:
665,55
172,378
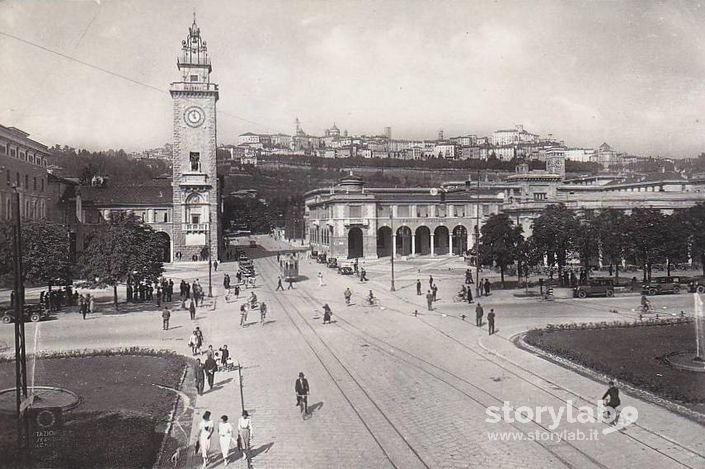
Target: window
23,156
195,158
26,181
8,176
422,211
42,184
355,211
459,210
383,211
13,152
194,77
17,179
166,217
35,183
3,149
441,210
539,196
402,210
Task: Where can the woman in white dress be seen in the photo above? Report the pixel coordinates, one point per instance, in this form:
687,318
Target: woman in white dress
225,431
205,430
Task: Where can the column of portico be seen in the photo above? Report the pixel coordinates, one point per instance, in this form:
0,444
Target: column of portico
413,243
394,244
432,250
450,243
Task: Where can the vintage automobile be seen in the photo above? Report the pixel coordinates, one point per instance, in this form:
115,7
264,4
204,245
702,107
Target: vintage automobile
660,285
332,263
33,313
346,270
595,287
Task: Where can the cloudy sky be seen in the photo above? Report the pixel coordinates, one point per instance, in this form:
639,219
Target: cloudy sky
629,73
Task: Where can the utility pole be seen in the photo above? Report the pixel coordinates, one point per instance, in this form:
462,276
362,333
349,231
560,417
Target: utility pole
391,223
210,264
20,349
477,238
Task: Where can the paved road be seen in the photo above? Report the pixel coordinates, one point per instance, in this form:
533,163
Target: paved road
390,389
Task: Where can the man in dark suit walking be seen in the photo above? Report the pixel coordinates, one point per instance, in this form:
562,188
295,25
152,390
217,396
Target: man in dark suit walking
302,391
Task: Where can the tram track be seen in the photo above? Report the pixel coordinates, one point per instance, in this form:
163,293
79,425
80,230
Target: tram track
346,393
698,455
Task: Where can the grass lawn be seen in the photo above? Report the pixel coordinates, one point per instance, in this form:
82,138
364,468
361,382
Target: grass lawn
634,355
121,417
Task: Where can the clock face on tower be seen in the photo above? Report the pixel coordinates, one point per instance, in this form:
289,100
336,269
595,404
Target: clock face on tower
194,116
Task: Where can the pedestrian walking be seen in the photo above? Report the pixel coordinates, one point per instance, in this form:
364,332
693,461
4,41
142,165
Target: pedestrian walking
83,306
262,312
192,310
320,279
210,367
245,434
193,343
479,312
327,313
429,300
291,284
215,266
199,335
611,399
347,294
469,294
166,315
487,287
363,274
418,287
490,321
434,290
243,314
91,304
430,280
279,284
205,430
225,436
199,376
224,355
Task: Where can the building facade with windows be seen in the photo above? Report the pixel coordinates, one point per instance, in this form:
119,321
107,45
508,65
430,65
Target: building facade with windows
23,165
353,221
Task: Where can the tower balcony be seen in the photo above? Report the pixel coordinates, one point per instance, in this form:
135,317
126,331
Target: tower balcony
194,227
194,179
187,86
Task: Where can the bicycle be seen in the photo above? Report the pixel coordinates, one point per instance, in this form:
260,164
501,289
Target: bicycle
371,301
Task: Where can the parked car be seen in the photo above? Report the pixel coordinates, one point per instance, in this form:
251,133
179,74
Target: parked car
332,263
32,313
346,270
660,285
696,285
253,243
595,287
321,259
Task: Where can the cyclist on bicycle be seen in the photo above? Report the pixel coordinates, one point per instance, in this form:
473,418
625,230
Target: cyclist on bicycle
302,389
462,294
347,294
252,300
645,304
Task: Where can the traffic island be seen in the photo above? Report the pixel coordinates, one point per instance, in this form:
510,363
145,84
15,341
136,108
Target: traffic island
120,414
637,354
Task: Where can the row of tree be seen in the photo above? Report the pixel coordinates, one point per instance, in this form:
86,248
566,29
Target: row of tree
117,249
644,238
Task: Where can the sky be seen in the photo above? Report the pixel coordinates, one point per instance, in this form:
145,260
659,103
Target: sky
95,73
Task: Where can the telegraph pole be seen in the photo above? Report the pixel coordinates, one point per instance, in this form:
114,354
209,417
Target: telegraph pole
477,238
391,223
20,350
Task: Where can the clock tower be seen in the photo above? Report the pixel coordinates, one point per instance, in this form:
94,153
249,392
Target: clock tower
195,180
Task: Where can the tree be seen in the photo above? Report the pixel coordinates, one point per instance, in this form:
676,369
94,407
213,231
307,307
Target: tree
645,231
45,252
674,245
612,236
500,242
119,248
694,224
553,234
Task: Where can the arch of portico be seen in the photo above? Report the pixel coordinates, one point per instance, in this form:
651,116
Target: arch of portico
441,240
384,241
423,245
404,244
